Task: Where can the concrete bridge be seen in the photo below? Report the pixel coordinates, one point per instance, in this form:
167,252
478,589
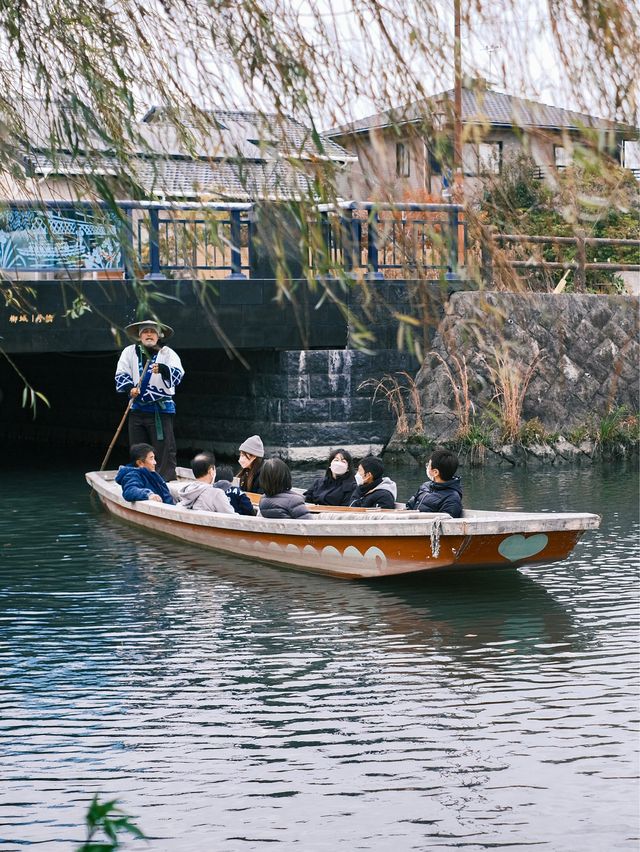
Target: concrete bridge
258,360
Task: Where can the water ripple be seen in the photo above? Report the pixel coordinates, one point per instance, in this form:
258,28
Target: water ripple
230,705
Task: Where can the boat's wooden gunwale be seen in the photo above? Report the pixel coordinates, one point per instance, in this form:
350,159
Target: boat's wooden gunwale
394,524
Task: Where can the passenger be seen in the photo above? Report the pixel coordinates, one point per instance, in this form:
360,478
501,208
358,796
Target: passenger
202,494
336,486
373,490
278,500
250,458
442,492
139,480
236,496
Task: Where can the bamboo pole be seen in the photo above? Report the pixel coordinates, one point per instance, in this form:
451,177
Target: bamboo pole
124,417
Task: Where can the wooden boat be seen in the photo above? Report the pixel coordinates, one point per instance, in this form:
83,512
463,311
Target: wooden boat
362,544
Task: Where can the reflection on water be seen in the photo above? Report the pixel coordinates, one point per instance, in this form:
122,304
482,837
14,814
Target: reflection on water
231,705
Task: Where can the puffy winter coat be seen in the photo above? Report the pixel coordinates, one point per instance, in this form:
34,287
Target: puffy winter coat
327,491
203,496
439,497
138,483
380,494
284,505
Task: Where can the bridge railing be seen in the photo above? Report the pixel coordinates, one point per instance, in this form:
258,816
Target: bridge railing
222,239
383,239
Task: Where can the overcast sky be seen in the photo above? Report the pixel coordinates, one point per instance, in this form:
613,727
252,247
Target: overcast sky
511,44
513,47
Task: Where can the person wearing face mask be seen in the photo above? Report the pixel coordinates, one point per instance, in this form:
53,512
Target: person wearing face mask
250,458
337,484
442,492
373,490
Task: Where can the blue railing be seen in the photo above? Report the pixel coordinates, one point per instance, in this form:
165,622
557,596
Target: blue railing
158,240
180,243
416,238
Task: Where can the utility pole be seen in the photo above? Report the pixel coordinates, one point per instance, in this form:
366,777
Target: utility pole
458,187
457,100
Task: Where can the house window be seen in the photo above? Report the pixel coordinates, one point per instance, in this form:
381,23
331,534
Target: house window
484,158
561,157
403,160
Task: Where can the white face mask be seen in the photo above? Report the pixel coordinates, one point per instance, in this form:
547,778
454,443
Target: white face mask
338,467
429,474
359,479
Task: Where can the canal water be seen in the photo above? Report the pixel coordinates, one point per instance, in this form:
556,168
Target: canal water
233,706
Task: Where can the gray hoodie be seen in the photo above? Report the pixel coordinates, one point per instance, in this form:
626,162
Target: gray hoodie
207,498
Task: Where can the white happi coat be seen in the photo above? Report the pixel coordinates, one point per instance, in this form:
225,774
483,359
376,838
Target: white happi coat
156,393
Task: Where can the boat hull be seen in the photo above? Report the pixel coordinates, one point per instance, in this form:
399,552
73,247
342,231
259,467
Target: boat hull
361,547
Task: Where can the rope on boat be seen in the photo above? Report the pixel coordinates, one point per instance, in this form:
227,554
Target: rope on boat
436,530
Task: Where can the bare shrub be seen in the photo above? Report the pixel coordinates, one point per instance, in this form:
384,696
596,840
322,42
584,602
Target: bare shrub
459,380
510,379
391,389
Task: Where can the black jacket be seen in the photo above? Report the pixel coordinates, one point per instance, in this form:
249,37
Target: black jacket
380,494
327,491
439,497
284,505
238,499
255,485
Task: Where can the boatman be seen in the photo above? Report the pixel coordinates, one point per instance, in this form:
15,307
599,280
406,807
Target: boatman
153,409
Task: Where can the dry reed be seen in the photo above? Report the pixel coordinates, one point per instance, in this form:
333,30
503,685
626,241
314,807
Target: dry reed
510,381
460,387
393,392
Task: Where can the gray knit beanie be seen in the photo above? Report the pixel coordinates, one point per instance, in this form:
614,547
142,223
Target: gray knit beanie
253,446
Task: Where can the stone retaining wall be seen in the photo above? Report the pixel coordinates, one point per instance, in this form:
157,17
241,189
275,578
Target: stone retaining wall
560,452
587,346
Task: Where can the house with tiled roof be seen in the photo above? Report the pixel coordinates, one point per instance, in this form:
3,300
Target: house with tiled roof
405,152
218,155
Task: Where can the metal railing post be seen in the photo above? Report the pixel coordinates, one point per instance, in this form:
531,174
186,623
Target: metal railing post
356,243
348,239
326,232
251,236
325,236
581,261
154,244
487,248
236,273
373,266
452,272
127,244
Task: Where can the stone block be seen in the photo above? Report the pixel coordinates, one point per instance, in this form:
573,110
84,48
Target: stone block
513,453
329,386
565,450
348,409
306,411
541,453
298,386
588,448
306,362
